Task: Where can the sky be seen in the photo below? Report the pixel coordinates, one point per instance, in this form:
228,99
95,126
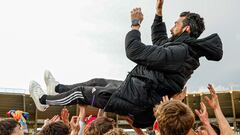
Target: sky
82,39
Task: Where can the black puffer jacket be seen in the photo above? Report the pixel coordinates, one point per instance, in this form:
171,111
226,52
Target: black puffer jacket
162,69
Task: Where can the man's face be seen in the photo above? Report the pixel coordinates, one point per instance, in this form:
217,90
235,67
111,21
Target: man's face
178,28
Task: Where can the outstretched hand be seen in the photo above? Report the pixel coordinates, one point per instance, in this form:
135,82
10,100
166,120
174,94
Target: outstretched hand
159,5
65,115
181,95
137,14
213,102
203,114
74,123
164,99
55,118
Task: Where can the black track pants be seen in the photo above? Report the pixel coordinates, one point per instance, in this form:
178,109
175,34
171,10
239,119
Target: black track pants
87,95
100,82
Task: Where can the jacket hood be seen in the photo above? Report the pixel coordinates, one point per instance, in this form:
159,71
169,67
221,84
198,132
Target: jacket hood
210,47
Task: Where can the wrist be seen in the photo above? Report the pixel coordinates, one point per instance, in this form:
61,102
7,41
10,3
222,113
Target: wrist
216,108
159,12
136,22
135,27
74,132
206,123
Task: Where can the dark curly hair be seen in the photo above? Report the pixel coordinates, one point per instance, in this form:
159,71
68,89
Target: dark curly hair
195,21
7,126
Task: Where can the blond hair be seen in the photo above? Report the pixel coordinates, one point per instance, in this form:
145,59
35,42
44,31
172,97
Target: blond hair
174,118
116,131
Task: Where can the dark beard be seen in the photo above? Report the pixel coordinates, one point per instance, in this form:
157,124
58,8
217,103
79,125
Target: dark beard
174,37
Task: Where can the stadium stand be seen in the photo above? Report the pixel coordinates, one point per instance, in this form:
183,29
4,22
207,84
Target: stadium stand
229,101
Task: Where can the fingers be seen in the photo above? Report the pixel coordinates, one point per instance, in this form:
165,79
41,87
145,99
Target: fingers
64,111
74,119
165,98
211,89
89,117
55,118
137,14
198,113
136,10
64,114
203,107
208,100
202,110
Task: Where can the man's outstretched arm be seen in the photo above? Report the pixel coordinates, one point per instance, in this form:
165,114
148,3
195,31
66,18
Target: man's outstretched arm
159,32
156,57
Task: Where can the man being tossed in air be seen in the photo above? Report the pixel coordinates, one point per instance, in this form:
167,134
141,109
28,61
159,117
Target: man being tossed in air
162,69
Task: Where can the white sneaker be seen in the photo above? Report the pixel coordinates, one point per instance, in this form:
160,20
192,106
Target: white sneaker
36,93
50,82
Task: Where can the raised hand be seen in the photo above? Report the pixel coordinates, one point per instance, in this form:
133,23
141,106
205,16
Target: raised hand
203,114
213,102
137,14
55,118
180,96
159,5
164,99
74,123
65,115
224,126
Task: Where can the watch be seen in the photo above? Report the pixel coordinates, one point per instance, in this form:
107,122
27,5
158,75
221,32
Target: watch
136,22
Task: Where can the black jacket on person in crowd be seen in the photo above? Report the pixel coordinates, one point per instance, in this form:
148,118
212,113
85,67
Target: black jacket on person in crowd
162,69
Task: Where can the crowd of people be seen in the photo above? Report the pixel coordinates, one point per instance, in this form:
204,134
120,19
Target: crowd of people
173,117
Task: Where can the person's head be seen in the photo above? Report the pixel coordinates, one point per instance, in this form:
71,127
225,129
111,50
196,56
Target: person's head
10,127
99,126
191,23
174,118
116,131
55,128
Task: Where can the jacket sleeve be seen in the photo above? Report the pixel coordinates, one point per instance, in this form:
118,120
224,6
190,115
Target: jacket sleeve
158,31
153,56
